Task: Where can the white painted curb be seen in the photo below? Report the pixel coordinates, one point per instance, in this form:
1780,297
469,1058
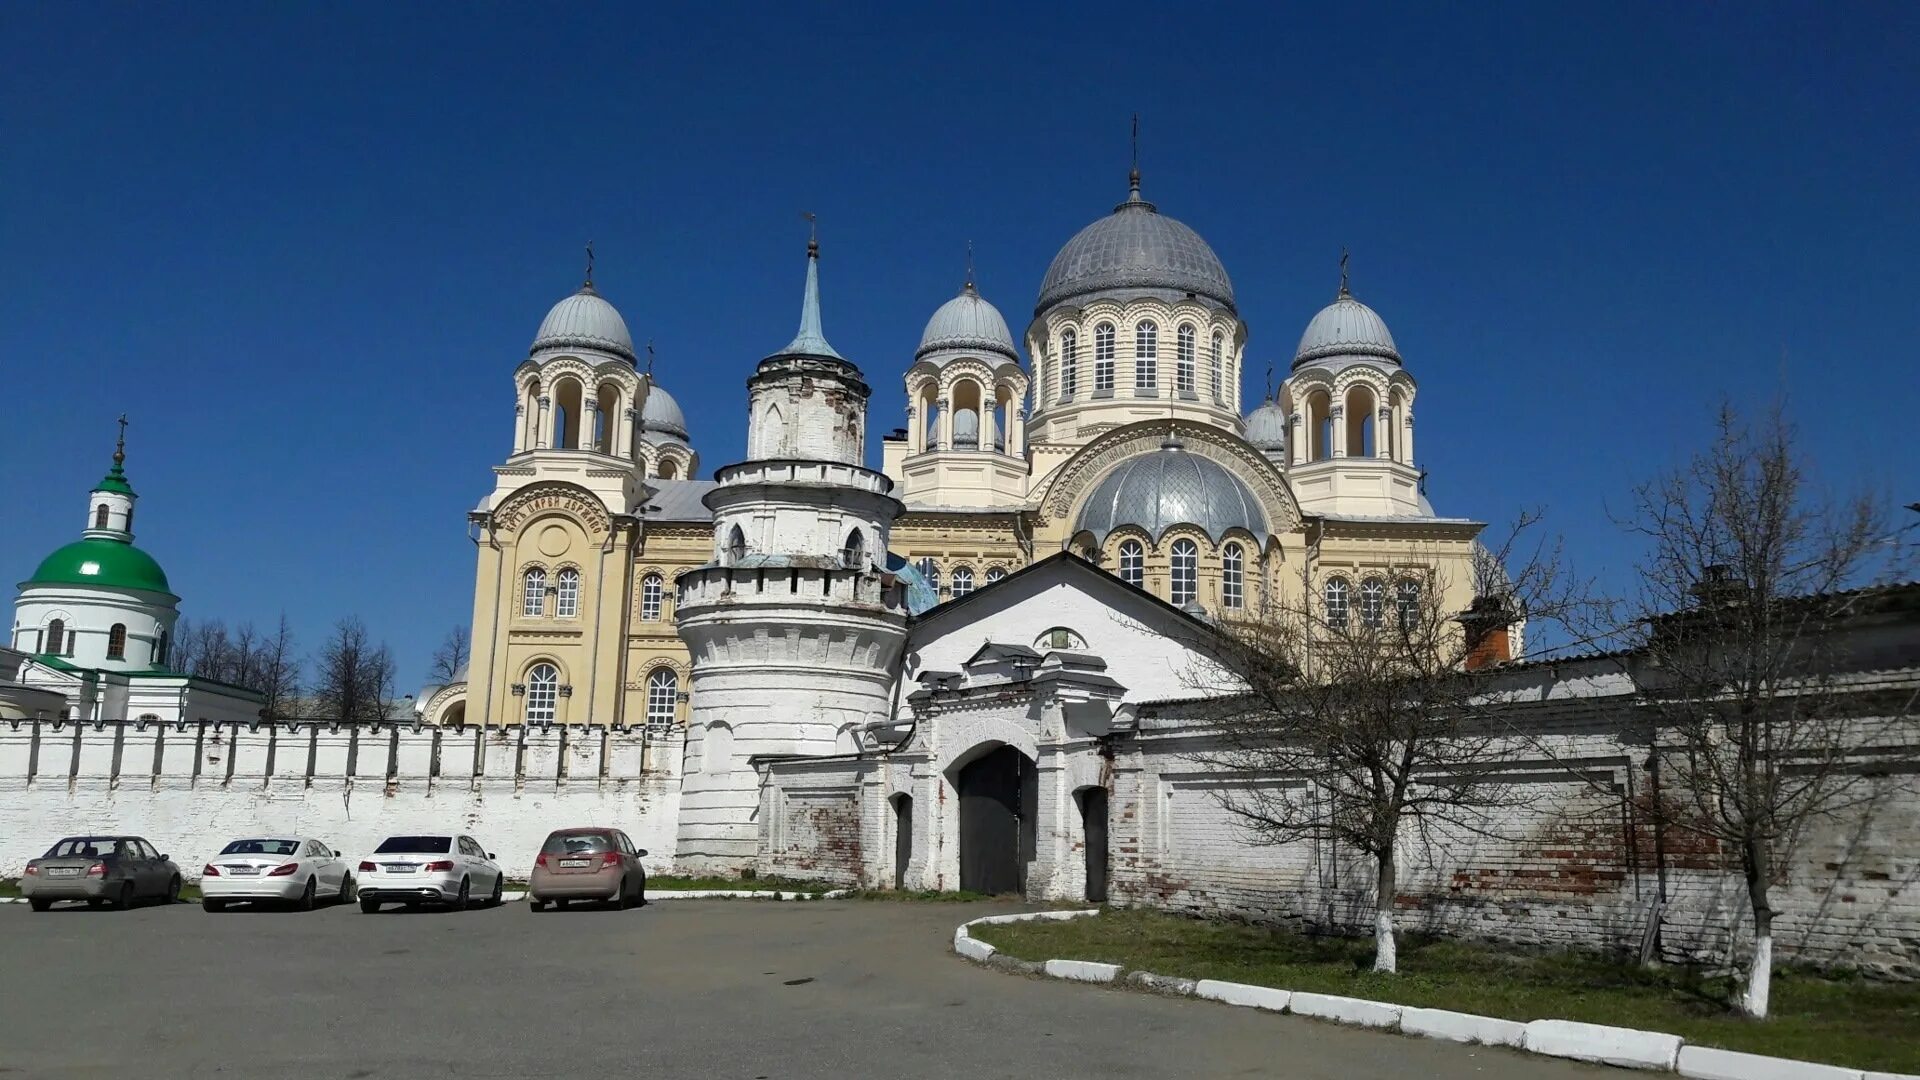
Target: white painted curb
1462,1027
1625,1047
743,894
1082,970
1703,1063
1244,994
1345,1010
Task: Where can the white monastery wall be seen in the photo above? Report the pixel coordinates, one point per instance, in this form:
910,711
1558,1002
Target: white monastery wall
192,788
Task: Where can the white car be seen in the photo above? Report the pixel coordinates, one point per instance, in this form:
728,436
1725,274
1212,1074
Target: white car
415,870
281,869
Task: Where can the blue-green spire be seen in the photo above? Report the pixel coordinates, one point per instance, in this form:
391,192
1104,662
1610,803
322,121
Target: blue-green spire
810,341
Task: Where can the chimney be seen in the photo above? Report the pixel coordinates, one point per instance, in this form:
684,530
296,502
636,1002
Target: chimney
1489,629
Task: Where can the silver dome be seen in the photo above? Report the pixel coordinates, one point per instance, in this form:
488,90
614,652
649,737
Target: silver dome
1266,427
1168,487
661,415
584,321
1134,249
970,324
1346,327
966,429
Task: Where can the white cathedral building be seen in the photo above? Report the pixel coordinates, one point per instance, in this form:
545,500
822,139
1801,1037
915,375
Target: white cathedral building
1069,525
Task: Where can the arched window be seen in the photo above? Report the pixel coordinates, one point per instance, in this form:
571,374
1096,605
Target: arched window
1214,369
1373,602
100,516
54,642
162,644
117,642
995,574
1407,601
1133,563
1233,587
543,692
533,593
566,600
1103,357
1186,561
663,698
669,469
1059,638
962,581
1337,601
651,591
931,571
1146,356
1069,364
1183,360
736,545
853,554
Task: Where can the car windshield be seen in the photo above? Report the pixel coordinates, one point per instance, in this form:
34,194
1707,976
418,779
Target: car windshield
261,847
403,845
578,844
82,847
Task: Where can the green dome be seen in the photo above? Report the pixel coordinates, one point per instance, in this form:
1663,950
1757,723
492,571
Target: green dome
101,562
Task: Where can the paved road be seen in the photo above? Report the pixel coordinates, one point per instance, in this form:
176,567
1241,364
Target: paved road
706,988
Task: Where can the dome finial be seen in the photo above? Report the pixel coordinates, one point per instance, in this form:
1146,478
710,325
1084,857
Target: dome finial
1133,175
120,447
968,286
588,286
813,234
1270,396
810,341
1343,273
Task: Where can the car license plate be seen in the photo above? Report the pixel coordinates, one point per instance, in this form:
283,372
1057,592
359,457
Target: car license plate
63,871
576,862
243,871
402,867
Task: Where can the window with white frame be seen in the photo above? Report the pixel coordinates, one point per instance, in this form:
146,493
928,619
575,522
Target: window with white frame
1373,602
1214,364
543,692
962,581
566,596
652,592
1183,359
1336,591
533,592
931,571
996,574
1407,601
663,698
1133,563
1146,356
1069,364
1103,357
1233,587
1186,565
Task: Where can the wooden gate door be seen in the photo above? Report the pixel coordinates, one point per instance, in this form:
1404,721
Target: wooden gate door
991,833
1093,813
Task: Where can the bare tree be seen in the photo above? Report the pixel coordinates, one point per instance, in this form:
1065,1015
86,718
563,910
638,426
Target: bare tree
1746,589
277,665
353,677
450,659
1357,718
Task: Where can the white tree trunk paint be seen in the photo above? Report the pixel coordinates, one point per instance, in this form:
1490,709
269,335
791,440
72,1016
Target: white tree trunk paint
1760,978
1384,958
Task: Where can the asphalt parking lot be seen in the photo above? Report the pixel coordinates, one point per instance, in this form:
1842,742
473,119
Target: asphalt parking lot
707,988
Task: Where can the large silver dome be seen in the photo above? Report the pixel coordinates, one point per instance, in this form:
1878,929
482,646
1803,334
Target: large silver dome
967,323
1169,487
1346,327
584,321
1135,249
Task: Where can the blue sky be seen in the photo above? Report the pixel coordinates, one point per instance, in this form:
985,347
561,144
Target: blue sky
304,247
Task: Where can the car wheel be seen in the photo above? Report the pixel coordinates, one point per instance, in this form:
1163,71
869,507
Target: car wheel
306,898
348,890
213,905
38,904
536,905
465,899
499,891
640,898
173,890
125,899
369,905
621,901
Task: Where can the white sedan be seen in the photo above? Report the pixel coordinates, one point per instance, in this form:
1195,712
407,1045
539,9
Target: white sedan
295,869
412,870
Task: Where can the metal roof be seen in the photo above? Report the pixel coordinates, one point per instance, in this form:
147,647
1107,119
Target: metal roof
1133,249
1170,486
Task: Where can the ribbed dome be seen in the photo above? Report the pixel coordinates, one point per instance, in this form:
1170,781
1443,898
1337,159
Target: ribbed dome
1169,487
662,415
1267,427
584,321
966,429
968,323
1346,327
1133,249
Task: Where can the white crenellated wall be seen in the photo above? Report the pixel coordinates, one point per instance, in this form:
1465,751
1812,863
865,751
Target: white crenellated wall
191,788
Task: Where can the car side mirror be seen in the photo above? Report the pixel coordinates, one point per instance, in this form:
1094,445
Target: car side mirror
164,858
642,852
491,855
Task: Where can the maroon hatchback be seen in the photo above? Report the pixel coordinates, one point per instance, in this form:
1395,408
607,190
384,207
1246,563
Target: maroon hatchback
587,864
